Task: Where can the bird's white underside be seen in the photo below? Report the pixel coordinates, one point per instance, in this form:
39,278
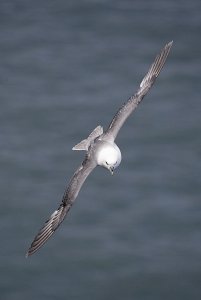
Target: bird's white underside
109,154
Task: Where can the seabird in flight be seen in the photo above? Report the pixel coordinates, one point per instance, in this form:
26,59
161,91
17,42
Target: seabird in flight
100,150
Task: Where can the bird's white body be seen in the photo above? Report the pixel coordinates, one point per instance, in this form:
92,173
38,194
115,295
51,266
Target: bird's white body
108,155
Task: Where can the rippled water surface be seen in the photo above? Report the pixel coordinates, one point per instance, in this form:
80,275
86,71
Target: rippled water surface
67,66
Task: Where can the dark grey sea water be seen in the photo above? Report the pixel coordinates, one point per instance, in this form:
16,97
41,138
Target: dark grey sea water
67,66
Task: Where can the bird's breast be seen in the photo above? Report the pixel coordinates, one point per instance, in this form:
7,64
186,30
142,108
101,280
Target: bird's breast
109,152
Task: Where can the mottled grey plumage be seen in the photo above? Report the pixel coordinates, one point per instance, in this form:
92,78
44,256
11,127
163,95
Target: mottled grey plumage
100,150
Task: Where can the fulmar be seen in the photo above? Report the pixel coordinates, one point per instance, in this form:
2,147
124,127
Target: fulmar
101,150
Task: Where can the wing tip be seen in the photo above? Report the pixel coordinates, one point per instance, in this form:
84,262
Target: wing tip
47,230
37,244
168,46
27,254
30,251
170,43
157,65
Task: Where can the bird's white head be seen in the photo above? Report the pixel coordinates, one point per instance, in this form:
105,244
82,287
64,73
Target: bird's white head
109,156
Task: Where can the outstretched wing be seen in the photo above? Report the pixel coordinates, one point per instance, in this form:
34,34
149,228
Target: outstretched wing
69,197
147,82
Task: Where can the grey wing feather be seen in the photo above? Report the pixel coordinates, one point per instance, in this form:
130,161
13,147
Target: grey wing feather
69,197
145,85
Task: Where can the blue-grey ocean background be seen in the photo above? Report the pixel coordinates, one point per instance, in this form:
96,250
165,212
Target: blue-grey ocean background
66,67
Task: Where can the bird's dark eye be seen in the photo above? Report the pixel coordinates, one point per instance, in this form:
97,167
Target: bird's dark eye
106,163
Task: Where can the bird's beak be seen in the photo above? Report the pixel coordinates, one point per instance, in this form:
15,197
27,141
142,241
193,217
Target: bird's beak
111,169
